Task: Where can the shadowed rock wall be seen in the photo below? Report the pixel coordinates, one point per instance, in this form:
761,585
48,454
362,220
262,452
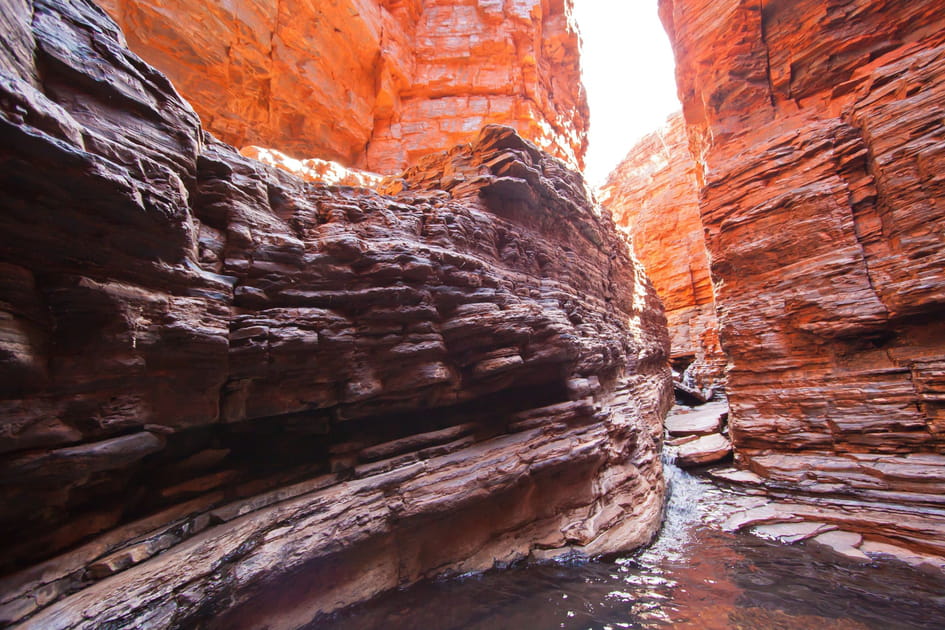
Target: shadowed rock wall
819,141
373,84
225,391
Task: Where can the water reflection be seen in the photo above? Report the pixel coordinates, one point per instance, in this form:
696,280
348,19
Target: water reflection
695,576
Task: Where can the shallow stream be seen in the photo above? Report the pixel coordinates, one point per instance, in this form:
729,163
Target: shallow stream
694,576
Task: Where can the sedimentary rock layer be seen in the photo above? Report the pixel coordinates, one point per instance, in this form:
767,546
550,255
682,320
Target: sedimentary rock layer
818,134
228,393
654,195
373,84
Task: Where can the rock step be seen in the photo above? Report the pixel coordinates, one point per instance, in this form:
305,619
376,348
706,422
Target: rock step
706,449
701,421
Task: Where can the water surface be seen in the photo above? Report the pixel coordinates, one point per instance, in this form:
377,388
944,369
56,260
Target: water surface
694,576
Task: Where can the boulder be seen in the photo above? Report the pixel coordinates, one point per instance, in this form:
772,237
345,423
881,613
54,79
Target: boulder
706,449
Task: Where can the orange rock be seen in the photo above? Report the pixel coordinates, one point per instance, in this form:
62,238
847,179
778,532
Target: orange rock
372,84
653,194
817,133
314,169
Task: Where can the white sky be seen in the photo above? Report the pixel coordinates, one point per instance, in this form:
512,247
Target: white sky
628,73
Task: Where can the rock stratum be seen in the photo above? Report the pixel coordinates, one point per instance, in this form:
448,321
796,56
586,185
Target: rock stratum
228,393
372,84
817,132
654,195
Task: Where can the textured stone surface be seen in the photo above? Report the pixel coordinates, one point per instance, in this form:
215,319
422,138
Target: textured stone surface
216,375
705,449
314,169
699,421
373,84
654,195
844,543
820,148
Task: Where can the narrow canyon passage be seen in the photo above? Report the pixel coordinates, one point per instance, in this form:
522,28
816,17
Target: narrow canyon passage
310,318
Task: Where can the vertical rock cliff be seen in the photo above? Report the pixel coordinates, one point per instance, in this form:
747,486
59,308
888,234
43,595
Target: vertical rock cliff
230,396
818,135
373,84
654,195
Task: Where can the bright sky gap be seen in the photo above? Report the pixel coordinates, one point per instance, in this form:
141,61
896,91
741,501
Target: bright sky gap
628,73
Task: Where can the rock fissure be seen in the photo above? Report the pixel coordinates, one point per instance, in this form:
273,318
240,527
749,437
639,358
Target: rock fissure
865,211
764,43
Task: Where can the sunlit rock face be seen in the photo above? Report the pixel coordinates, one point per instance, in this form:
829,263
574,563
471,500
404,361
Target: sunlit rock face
372,84
820,147
654,195
234,398
315,170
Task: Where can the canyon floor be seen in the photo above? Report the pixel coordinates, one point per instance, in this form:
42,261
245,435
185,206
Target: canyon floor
698,575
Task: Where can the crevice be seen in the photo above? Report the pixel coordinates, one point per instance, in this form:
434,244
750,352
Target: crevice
764,43
869,205
272,62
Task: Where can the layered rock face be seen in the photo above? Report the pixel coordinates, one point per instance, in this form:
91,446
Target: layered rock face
818,134
232,398
373,84
654,195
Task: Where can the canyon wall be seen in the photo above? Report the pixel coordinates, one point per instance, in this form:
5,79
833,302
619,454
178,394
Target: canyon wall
654,195
232,398
373,84
818,135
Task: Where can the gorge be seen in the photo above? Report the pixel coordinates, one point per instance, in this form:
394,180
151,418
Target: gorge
389,335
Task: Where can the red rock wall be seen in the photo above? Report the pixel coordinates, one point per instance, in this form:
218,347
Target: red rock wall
373,84
653,194
818,134
231,398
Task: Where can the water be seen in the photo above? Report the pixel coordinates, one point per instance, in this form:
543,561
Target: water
694,576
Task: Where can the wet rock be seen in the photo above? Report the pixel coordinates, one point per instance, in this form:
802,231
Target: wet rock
879,549
765,513
844,543
792,532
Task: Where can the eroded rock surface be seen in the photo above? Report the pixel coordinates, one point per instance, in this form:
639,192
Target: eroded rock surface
820,149
215,375
373,84
654,195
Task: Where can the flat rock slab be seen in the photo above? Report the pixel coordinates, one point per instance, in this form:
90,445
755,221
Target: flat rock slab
702,421
912,558
732,475
767,513
843,543
707,449
792,532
